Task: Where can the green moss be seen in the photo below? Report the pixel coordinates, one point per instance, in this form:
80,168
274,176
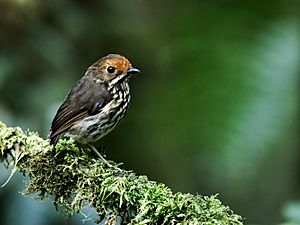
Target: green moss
76,178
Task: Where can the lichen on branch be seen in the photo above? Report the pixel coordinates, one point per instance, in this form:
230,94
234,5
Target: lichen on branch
76,178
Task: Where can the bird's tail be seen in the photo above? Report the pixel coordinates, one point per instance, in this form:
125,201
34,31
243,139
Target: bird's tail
53,139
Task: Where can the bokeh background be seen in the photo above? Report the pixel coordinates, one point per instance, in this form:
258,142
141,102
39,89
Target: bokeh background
215,110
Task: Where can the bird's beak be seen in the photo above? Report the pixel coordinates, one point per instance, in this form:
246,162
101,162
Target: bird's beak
132,70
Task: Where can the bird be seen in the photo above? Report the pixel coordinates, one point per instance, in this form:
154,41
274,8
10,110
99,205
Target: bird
96,104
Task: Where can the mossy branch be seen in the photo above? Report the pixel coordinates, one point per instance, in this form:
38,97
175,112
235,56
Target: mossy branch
76,179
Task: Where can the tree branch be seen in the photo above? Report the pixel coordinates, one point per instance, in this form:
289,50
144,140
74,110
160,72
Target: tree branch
76,179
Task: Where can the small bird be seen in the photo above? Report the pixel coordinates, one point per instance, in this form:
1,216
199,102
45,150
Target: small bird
97,102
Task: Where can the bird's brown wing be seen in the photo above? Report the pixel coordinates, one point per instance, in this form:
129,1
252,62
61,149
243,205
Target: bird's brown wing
64,121
86,98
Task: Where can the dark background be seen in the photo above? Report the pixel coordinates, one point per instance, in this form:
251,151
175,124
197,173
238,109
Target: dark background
215,110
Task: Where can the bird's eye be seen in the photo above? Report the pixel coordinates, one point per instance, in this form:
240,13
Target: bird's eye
110,69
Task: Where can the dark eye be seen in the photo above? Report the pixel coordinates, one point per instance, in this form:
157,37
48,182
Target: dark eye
110,69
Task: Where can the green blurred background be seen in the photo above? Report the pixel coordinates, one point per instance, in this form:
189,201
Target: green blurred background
215,110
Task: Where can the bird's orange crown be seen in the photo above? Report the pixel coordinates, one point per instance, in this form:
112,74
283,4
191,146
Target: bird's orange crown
117,61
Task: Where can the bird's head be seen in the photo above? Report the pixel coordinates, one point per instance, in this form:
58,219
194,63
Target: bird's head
113,68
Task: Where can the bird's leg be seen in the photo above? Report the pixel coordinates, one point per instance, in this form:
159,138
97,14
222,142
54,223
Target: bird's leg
102,150
98,153
102,158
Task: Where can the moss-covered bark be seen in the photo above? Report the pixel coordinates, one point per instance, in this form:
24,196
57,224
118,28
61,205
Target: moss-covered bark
76,178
